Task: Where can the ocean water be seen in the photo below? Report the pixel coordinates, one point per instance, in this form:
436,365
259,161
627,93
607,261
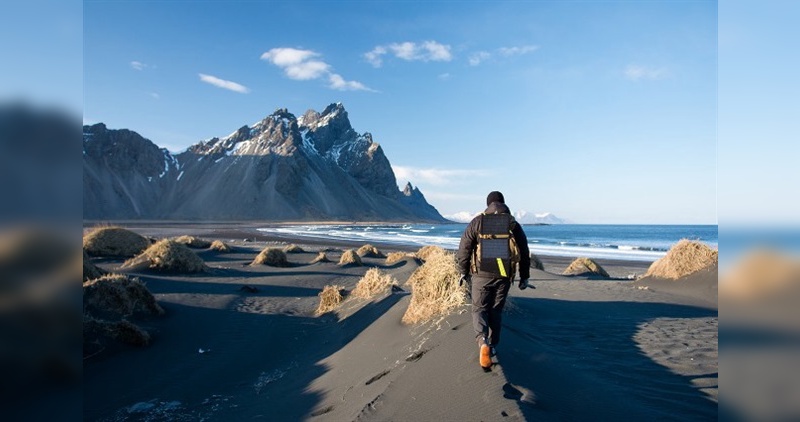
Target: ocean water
628,242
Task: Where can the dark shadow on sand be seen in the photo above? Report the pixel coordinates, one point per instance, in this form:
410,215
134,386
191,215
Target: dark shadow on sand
581,362
260,365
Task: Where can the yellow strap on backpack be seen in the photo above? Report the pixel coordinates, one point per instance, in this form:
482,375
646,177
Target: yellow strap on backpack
502,268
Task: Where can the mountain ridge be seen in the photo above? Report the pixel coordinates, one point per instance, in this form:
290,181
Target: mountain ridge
316,167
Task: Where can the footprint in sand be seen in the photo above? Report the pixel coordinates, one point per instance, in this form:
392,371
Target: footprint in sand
519,393
377,377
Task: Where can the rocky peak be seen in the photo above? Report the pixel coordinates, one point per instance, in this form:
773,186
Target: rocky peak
409,189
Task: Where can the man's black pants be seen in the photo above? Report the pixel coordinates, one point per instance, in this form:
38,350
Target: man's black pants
488,299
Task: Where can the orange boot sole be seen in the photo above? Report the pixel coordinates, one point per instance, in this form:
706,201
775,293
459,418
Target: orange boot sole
485,358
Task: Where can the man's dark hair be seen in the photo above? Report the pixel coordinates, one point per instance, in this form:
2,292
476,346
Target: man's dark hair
495,196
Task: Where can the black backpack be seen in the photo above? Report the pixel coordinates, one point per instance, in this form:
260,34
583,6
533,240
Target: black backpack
497,254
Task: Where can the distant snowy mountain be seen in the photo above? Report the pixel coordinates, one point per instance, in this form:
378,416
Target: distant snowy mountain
524,217
461,217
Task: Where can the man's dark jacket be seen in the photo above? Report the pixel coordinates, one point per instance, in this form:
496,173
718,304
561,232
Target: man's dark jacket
469,241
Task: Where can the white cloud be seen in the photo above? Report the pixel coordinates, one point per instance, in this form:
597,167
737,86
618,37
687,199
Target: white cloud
221,83
337,82
136,65
374,56
425,51
284,57
303,65
476,58
433,176
444,76
637,72
517,51
479,57
154,95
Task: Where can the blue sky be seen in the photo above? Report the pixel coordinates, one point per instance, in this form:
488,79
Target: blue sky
599,112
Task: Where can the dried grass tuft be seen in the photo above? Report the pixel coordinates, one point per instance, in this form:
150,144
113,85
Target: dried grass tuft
350,257
122,331
329,298
219,246
585,266
90,271
273,257
118,295
684,258
193,242
536,262
369,251
168,256
322,257
373,283
424,252
395,257
434,288
293,249
114,241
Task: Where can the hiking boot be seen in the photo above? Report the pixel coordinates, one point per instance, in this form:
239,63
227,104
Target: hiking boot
485,356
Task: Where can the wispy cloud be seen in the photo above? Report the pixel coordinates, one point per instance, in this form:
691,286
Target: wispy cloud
154,95
479,57
444,76
222,83
517,51
137,65
433,176
638,72
410,51
304,65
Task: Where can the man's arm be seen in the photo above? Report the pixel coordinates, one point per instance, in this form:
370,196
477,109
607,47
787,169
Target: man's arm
525,254
467,245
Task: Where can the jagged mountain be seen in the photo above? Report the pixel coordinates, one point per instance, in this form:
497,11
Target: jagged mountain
316,167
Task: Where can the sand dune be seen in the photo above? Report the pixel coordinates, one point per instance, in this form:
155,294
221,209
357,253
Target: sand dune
572,349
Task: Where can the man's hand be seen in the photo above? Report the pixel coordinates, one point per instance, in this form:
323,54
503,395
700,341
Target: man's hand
465,278
523,284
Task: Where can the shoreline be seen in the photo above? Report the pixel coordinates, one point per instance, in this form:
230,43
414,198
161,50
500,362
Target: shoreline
244,233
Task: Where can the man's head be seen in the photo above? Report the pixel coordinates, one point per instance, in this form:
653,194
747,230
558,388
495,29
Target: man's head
495,196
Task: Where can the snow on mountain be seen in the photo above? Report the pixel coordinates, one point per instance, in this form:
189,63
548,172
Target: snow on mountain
461,217
523,217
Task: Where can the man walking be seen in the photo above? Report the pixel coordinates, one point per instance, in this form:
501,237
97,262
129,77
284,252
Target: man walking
492,245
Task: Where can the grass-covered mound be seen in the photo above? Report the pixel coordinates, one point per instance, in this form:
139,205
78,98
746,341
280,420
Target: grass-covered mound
350,257
369,251
108,304
424,252
219,246
273,257
114,242
395,257
293,249
90,271
95,331
193,242
685,258
330,298
321,257
585,266
434,288
116,295
168,256
373,283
